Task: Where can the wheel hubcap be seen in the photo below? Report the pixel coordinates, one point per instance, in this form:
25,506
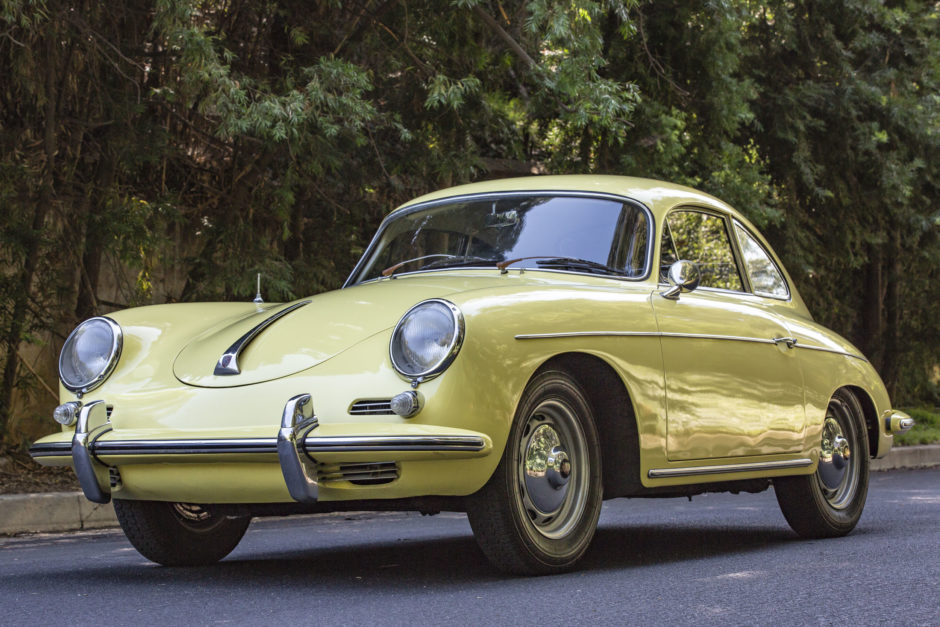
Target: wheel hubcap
547,470
838,469
552,469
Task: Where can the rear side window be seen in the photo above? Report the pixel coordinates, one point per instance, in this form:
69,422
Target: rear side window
702,238
766,278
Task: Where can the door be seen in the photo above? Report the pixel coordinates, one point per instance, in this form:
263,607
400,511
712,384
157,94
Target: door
731,389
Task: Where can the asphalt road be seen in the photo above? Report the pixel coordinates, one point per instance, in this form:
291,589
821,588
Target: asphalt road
720,559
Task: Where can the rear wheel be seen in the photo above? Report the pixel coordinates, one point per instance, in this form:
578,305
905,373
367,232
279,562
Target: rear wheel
179,534
538,512
829,502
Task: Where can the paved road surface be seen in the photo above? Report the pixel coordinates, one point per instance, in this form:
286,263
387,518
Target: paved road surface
720,559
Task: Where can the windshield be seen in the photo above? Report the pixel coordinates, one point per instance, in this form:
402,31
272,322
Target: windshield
572,233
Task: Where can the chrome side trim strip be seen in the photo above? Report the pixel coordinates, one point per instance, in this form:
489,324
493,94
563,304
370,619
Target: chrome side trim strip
92,424
694,336
834,351
228,362
350,444
662,473
543,336
791,342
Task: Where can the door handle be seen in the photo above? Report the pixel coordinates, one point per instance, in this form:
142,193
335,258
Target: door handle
789,341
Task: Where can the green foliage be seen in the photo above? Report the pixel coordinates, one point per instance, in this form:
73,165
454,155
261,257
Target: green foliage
926,429
172,151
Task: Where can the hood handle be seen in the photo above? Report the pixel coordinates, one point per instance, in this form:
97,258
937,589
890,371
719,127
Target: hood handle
228,362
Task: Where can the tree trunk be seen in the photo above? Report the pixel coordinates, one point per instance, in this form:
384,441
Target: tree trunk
31,261
872,340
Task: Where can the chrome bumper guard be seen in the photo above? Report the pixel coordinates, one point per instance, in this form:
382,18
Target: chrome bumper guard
92,424
294,446
300,472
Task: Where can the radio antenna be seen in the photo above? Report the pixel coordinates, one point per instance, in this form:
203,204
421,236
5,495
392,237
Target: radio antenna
258,300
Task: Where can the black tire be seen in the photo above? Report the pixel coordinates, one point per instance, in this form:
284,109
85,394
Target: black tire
829,502
538,512
178,534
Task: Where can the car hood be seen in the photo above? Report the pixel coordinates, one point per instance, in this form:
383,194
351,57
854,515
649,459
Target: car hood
326,325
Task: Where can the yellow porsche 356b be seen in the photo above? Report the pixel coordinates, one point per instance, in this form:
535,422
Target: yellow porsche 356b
520,350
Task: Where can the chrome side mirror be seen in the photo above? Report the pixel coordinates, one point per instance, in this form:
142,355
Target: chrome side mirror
684,277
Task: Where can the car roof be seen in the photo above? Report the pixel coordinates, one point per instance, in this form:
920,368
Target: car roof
658,196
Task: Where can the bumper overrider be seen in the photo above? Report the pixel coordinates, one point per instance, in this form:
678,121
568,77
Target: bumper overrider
297,447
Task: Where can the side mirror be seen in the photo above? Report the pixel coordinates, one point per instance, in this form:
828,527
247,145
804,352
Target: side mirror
684,277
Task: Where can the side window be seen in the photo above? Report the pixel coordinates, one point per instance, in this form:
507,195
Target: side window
766,278
703,238
667,255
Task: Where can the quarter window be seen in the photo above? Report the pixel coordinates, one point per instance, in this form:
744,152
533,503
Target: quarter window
702,238
766,279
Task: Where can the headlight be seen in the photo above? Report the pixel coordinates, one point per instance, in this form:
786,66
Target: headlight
427,339
90,354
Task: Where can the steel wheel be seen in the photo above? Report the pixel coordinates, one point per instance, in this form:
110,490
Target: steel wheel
538,512
829,502
552,470
838,469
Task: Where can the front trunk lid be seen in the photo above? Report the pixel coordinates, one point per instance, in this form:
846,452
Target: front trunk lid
283,339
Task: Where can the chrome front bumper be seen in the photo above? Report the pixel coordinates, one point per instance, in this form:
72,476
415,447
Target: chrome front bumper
294,446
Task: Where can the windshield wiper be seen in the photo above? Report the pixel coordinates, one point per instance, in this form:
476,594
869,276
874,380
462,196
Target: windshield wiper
570,263
445,261
389,271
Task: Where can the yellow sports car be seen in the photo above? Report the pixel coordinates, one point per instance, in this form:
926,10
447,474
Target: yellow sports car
520,350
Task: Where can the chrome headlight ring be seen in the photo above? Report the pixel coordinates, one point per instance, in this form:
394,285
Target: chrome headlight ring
427,339
90,354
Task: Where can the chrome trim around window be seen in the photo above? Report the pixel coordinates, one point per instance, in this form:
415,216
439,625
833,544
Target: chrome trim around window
695,471
228,362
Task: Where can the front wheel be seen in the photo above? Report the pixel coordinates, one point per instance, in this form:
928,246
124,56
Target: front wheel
538,512
179,534
829,502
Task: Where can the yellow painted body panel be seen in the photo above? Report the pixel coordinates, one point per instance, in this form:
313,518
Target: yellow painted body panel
699,397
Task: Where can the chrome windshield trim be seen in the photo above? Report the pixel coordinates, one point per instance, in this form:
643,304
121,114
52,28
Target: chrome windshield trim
356,443
407,209
693,471
228,362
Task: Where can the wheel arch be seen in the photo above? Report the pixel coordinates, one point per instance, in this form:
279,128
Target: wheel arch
614,417
871,417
